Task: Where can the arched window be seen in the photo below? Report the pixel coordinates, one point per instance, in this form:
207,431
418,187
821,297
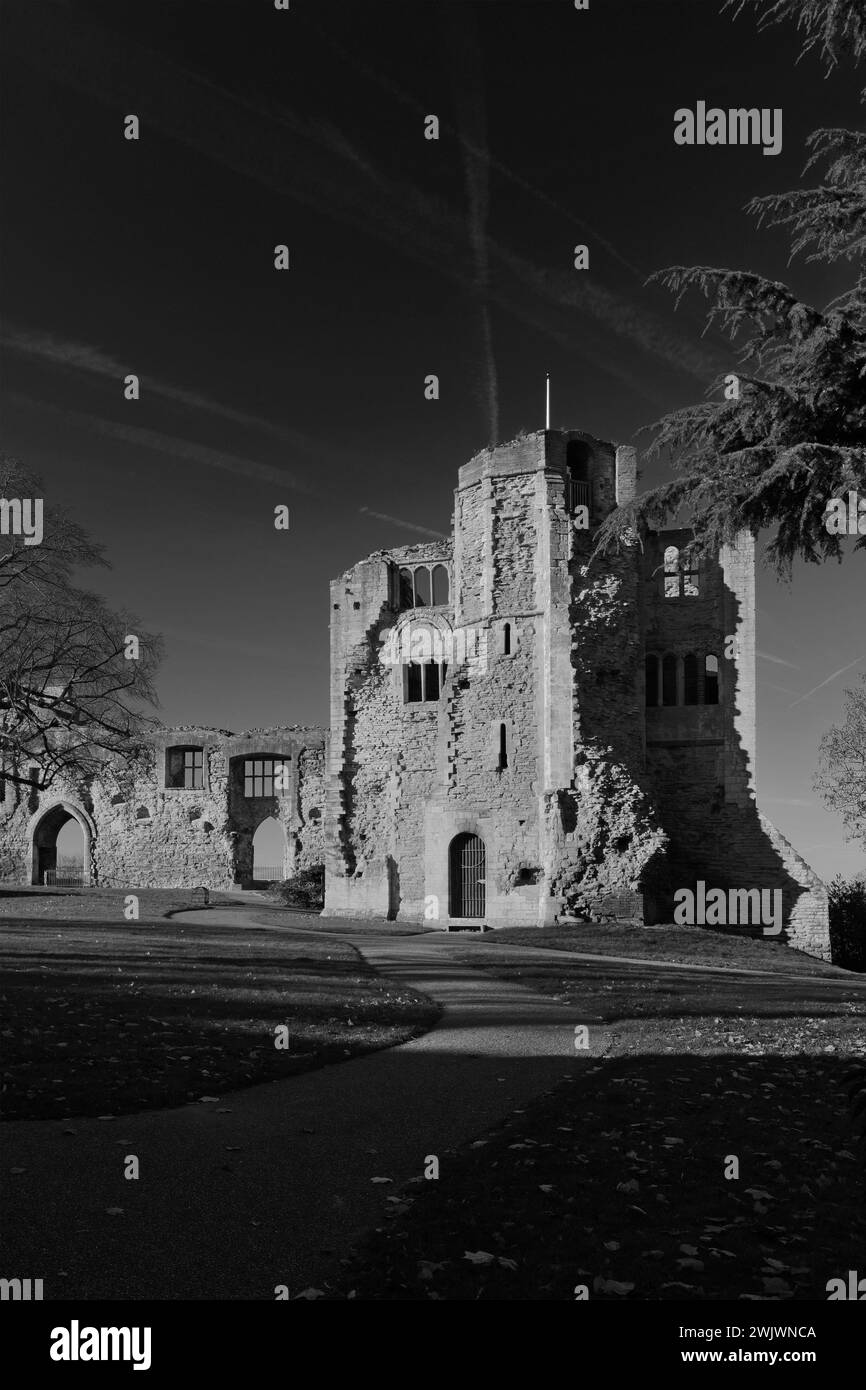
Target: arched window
422,587
506,640
711,680
690,679
669,679
651,669
407,593
440,585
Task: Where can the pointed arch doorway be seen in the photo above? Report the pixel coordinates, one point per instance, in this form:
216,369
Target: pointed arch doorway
60,846
467,876
270,852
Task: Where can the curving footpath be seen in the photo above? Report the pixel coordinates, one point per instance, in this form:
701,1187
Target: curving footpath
272,1184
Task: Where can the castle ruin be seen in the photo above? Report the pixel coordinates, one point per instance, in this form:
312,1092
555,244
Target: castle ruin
520,737
517,736
183,814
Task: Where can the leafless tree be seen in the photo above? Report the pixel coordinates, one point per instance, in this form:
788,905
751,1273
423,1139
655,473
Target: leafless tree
73,691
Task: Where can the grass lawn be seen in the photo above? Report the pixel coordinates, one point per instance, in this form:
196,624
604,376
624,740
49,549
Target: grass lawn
604,991
681,945
616,1180
108,1017
101,904
332,926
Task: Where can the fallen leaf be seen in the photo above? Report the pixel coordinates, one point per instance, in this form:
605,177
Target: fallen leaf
601,1285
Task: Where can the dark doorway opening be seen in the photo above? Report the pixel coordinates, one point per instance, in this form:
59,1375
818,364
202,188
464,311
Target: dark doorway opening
467,891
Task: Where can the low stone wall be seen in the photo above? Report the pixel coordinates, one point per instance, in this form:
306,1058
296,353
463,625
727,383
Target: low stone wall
140,832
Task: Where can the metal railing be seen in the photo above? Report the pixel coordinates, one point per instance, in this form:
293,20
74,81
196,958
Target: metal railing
64,876
579,494
269,873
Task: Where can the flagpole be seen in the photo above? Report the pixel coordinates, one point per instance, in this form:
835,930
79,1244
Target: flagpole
547,405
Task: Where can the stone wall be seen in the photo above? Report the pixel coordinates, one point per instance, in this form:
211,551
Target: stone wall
141,832
701,763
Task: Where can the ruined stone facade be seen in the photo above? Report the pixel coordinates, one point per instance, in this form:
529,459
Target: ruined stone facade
517,736
184,815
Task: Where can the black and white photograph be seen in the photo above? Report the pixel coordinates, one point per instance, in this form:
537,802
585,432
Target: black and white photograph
433,670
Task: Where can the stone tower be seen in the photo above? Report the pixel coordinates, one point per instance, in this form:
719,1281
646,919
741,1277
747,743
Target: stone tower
519,736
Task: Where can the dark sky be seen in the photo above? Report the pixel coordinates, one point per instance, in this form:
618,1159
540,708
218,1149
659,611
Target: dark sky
408,257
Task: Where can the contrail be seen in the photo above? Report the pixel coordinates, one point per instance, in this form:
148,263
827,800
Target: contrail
239,133
46,347
468,77
406,99
840,672
408,525
777,660
201,453
175,446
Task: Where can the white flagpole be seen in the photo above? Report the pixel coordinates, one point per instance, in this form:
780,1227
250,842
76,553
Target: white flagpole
547,409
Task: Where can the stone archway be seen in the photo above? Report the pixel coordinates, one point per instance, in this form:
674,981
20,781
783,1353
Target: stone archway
270,852
43,830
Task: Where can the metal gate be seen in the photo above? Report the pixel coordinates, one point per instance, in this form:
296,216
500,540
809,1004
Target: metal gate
467,876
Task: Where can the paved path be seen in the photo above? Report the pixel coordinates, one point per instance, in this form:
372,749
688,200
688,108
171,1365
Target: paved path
271,1185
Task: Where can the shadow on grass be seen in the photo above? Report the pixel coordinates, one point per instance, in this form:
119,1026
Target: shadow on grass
617,1174
616,1181
101,1019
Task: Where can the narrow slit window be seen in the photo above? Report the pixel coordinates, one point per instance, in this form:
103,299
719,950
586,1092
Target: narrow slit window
503,747
711,680
506,640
